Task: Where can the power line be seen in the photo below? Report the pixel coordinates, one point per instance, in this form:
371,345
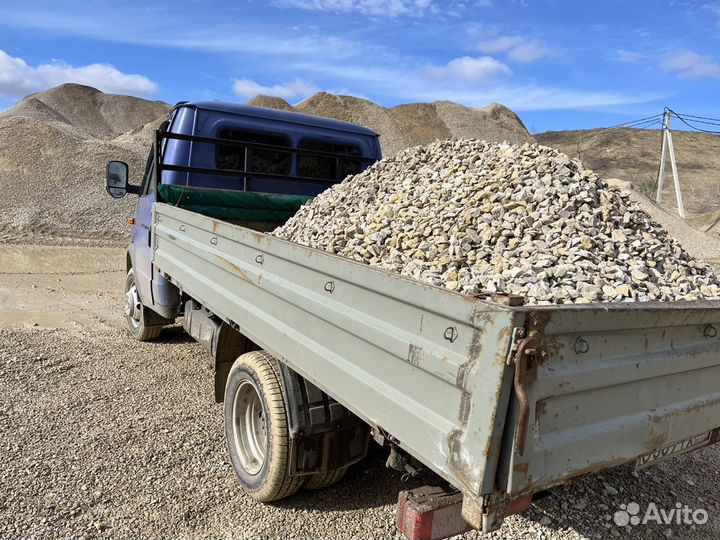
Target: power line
641,123
702,119
684,121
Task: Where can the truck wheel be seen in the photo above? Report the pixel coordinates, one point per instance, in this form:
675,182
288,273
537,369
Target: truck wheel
135,312
323,480
256,428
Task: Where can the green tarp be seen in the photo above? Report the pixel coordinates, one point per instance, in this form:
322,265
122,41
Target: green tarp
233,205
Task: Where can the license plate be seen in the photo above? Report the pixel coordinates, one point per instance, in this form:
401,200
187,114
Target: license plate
677,448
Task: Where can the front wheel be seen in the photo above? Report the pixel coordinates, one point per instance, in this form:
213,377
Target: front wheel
256,428
136,312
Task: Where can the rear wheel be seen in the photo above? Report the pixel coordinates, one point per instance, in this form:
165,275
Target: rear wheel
323,480
136,312
256,428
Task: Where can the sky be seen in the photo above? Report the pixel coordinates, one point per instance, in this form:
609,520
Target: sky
560,64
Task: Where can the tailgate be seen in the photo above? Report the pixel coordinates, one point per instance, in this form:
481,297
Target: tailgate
611,383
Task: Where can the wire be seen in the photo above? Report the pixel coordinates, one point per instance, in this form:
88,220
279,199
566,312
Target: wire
641,123
702,119
684,121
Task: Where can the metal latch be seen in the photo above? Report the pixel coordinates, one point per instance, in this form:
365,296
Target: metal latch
525,366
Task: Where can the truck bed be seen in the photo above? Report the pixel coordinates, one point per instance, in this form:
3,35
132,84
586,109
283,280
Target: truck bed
498,399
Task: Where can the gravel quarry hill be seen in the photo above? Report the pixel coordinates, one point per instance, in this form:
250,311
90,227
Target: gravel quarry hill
94,112
412,124
54,146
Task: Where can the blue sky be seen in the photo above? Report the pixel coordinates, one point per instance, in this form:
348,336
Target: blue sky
560,64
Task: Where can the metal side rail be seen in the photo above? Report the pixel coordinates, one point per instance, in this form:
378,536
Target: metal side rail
426,365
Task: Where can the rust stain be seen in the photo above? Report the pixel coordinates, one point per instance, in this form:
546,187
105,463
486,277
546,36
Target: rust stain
473,353
521,468
239,271
538,320
531,485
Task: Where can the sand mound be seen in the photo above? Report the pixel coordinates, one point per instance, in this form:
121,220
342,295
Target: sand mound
94,112
413,124
270,102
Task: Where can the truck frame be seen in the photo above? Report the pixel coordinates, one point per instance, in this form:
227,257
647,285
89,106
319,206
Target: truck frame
499,399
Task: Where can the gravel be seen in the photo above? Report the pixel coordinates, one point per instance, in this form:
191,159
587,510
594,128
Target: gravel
525,220
104,437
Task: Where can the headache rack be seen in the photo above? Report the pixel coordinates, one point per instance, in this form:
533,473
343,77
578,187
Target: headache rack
247,146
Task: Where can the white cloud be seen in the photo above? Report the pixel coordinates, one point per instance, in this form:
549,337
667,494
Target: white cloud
517,48
691,65
17,78
297,88
410,85
630,57
374,8
160,31
468,69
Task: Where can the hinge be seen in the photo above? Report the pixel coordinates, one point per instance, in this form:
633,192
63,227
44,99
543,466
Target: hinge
517,334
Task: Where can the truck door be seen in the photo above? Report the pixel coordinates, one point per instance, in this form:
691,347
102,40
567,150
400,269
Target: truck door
141,233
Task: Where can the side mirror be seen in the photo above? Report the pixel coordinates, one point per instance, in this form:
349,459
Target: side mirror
116,181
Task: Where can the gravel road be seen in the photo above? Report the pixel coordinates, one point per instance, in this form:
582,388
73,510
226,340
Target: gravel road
104,437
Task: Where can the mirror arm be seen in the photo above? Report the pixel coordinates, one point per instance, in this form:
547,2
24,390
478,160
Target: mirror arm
135,190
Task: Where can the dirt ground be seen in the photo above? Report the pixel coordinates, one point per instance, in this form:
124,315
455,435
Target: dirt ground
101,436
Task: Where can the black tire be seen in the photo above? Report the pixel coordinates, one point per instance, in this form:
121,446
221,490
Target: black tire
323,480
256,428
136,313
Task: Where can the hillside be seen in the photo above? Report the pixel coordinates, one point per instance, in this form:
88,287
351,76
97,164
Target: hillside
54,146
634,155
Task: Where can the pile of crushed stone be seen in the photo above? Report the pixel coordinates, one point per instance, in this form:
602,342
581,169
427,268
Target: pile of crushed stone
477,217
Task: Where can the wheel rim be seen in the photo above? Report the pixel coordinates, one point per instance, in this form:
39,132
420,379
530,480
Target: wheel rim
133,306
249,427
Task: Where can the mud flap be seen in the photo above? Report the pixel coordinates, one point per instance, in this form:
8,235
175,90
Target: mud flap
324,435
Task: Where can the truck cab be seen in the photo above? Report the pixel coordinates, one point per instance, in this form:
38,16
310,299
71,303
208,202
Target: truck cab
246,165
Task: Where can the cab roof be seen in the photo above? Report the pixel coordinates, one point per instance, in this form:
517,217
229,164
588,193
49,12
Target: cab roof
278,116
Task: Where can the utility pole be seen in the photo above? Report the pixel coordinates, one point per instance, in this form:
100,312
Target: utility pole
667,146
